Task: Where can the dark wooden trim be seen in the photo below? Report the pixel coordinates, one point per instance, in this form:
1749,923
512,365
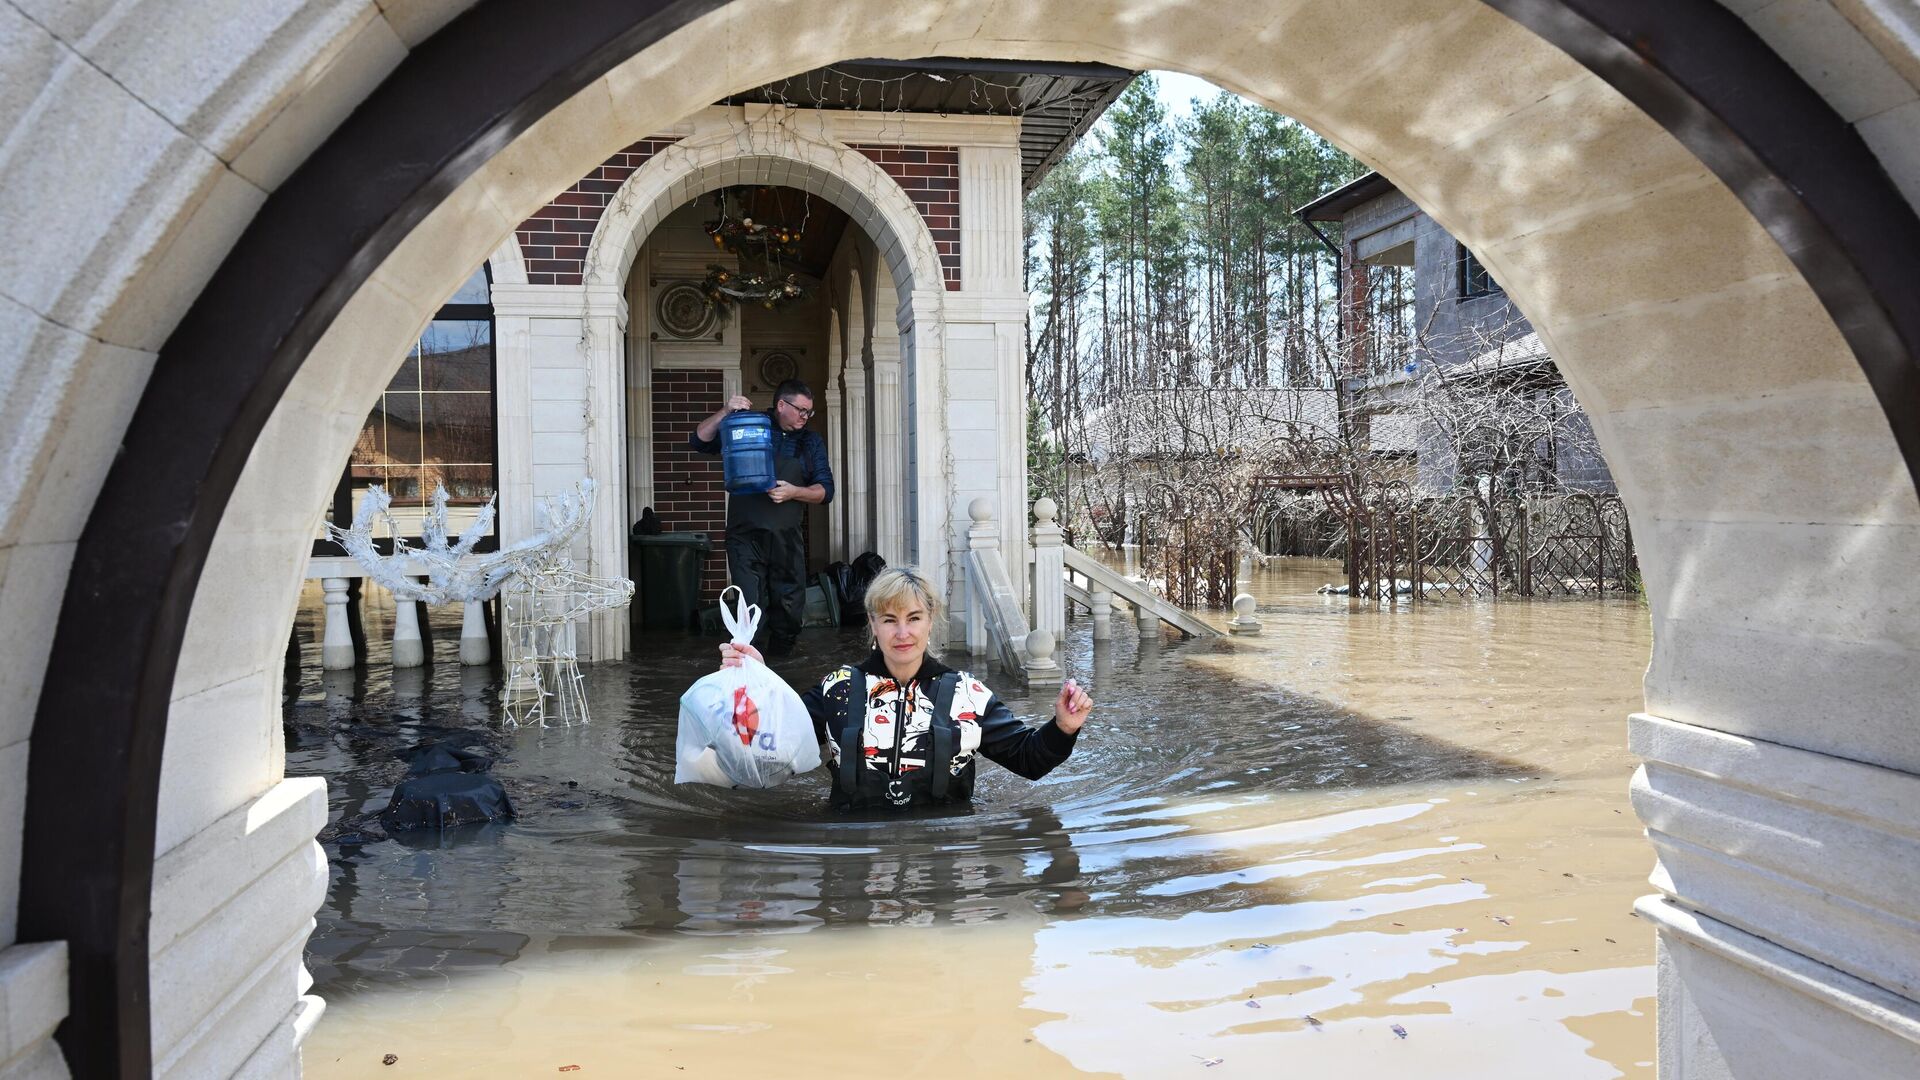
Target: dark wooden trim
1802,171
87,863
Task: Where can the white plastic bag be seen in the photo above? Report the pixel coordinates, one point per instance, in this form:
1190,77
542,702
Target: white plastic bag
743,726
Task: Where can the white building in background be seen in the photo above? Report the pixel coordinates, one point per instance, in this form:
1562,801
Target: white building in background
585,346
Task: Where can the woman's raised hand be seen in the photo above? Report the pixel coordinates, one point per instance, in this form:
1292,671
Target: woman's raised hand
1071,708
730,654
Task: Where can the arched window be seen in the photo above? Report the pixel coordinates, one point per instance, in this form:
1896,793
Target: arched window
434,424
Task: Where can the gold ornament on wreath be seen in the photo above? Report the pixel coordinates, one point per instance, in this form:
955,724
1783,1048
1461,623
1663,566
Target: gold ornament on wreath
761,249
724,288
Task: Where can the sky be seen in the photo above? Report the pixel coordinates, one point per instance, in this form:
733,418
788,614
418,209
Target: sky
1177,92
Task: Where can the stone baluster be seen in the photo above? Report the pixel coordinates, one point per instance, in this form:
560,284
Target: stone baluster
1042,669
1049,571
1102,613
475,650
1243,621
336,642
982,535
409,650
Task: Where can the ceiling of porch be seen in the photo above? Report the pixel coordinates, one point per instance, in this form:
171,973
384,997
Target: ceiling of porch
1056,102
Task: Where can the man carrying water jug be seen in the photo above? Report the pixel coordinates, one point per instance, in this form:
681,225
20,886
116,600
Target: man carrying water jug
766,548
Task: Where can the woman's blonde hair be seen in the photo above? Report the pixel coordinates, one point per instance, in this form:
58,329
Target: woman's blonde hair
901,587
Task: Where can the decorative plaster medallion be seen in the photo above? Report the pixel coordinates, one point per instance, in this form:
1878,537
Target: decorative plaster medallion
683,311
776,367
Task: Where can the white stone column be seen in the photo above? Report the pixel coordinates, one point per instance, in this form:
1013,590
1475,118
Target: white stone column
639,398
858,494
605,342
930,447
829,402
1788,911
1049,571
475,650
889,452
560,357
409,651
983,534
514,518
1102,613
1010,427
992,208
336,642
991,236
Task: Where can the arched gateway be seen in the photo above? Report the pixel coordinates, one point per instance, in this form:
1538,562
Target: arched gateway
1718,258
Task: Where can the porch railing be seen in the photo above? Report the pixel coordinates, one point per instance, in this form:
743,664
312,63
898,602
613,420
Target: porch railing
338,651
1063,573
995,622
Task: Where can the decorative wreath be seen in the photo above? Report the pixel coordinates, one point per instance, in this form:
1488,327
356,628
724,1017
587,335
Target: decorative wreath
724,287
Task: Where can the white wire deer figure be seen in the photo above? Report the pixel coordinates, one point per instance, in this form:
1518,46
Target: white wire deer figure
542,608
543,597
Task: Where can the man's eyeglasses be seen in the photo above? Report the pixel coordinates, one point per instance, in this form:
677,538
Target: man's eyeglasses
805,414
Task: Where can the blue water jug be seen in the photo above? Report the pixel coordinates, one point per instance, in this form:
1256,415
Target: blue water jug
746,452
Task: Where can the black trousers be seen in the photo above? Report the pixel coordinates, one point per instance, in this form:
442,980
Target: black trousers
770,566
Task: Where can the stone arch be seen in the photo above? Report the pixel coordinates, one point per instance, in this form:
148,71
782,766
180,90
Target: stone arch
509,264
764,154
1799,260
768,152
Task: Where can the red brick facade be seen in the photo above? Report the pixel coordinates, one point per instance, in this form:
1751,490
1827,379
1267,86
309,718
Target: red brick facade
554,240
688,492
930,175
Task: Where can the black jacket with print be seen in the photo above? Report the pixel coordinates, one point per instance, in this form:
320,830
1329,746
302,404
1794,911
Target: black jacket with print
978,722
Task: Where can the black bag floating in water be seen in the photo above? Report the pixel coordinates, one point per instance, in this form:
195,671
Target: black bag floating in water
445,787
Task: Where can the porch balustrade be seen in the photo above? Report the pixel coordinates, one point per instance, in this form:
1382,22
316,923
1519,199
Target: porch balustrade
338,651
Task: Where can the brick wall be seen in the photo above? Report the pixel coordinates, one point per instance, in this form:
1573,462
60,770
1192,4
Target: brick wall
930,175
688,492
554,240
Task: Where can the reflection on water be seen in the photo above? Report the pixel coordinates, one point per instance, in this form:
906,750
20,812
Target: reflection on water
1266,851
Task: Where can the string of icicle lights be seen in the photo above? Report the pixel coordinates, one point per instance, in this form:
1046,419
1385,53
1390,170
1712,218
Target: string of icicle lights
837,87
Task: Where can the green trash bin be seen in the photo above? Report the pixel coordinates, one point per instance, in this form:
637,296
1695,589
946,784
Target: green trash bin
667,570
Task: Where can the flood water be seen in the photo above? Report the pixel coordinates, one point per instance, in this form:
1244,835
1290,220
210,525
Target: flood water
1365,843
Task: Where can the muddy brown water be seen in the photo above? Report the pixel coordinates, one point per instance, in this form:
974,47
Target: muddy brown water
1268,856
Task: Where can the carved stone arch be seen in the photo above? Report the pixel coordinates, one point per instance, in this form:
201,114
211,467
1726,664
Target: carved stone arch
692,167
1762,445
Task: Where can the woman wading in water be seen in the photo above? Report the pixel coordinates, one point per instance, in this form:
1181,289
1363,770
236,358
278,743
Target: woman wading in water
901,729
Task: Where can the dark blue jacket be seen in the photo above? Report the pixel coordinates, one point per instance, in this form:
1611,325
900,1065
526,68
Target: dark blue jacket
806,445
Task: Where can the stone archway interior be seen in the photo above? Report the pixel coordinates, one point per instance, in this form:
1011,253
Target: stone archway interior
1774,513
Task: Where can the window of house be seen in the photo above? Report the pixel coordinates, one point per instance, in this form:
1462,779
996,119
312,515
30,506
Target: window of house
1474,279
1389,317
433,425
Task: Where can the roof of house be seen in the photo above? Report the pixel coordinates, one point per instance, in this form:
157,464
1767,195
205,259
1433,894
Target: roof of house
1185,421
1335,204
1516,351
1056,102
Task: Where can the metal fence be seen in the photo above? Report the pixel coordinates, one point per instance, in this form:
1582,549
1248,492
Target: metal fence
1565,544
